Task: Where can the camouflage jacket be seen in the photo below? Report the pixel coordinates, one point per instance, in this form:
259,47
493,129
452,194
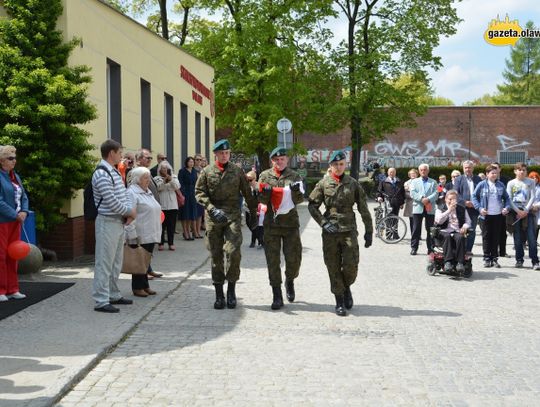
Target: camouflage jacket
339,199
287,177
216,189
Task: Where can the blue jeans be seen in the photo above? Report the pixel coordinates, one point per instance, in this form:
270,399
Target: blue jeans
109,257
530,236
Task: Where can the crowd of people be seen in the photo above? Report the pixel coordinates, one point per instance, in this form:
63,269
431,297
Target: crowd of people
497,205
138,207
130,200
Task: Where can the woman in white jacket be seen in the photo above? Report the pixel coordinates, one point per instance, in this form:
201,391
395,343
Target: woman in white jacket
146,228
167,185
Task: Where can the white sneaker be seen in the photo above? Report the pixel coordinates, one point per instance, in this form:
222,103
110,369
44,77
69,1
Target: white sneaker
16,296
3,298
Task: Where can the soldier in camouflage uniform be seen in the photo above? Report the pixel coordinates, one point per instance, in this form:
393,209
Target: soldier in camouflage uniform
217,191
339,192
281,228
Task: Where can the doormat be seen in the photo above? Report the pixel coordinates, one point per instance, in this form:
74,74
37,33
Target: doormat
35,292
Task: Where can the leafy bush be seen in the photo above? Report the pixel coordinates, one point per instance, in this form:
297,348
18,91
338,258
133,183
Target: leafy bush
42,102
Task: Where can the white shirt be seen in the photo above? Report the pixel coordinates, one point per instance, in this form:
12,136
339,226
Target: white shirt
471,185
147,225
18,195
494,206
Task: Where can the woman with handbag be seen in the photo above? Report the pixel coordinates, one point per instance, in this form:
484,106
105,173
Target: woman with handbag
146,228
168,188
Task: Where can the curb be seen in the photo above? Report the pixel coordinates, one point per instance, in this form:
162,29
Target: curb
109,349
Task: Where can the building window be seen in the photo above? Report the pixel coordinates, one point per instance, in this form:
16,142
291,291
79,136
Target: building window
146,115
207,136
197,132
512,157
169,147
114,101
183,131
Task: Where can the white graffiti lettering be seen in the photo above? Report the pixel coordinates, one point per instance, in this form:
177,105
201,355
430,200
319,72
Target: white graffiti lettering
413,148
406,149
314,156
508,143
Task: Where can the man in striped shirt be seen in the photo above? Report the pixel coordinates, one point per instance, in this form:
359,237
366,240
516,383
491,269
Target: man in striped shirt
114,209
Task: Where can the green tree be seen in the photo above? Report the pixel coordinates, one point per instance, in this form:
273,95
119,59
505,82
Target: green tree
484,100
158,21
387,38
421,91
266,67
42,102
522,73
120,5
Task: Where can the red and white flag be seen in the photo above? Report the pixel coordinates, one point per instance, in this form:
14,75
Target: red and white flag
281,198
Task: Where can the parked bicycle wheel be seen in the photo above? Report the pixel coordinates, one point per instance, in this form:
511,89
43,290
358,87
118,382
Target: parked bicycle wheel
392,229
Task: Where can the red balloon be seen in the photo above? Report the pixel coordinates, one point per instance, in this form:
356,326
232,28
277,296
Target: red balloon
18,250
162,216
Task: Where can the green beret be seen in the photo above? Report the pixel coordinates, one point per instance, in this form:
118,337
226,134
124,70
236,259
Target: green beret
278,152
337,155
221,145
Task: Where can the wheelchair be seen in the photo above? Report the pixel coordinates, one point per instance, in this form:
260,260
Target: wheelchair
436,258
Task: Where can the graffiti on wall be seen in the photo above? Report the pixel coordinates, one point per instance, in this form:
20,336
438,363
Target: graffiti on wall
247,162
441,148
318,156
438,153
508,143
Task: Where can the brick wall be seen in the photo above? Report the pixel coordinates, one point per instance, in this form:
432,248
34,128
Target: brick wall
450,134
68,240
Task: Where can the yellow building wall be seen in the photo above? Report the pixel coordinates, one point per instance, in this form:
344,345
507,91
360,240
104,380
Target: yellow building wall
106,33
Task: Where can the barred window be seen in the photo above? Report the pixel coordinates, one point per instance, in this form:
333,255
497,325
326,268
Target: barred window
512,157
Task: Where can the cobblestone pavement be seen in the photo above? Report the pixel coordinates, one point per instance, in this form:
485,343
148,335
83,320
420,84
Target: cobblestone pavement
411,339
47,346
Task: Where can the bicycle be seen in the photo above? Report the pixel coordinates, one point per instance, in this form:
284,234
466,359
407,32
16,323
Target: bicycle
389,228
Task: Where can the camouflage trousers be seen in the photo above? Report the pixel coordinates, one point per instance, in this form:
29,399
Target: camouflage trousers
341,255
292,250
224,240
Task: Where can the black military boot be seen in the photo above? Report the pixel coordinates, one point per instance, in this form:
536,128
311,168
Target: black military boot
289,288
231,295
220,298
347,295
340,310
277,302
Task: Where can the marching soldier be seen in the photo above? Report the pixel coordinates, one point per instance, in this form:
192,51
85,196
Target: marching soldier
339,192
217,190
281,223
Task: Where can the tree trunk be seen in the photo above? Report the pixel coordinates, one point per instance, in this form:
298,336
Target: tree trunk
356,144
183,35
164,19
264,159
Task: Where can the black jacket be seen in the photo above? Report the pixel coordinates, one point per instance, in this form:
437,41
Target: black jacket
464,194
394,192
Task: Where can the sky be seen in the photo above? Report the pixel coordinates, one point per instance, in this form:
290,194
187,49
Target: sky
471,66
